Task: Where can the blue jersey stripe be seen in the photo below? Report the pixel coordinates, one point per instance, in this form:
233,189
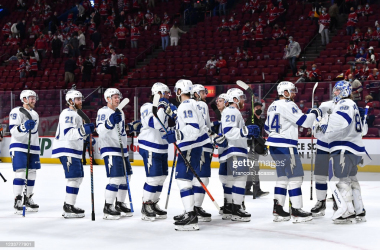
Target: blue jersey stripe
153,145
22,145
282,140
66,150
301,120
112,149
347,144
345,116
234,150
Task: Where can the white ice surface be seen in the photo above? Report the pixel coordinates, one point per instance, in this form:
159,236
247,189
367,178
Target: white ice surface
50,230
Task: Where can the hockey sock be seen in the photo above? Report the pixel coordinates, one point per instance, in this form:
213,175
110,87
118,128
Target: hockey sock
161,181
187,194
321,187
123,189
72,189
356,193
199,192
31,180
150,188
280,190
295,193
238,189
18,182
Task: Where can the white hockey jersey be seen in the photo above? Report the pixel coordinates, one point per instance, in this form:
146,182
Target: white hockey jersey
283,119
19,140
207,147
68,141
232,123
191,123
109,138
327,108
221,149
345,129
150,137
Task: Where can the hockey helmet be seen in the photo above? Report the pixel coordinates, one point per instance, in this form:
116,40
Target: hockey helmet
345,90
26,94
160,87
72,94
110,92
288,86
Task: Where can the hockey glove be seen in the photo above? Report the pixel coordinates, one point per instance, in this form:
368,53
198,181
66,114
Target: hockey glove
173,136
221,141
134,126
163,103
215,126
250,130
115,118
317,112
86,129
362,114
171,111
88,140
26,126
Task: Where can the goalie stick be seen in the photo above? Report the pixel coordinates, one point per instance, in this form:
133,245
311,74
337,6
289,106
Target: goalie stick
26,113
87,120
155,109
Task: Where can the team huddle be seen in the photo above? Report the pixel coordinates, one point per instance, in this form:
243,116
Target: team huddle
337,124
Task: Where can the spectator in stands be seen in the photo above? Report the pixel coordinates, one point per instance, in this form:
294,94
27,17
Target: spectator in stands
113,66
34,31
221,63
238,55
123,63
74,46
54,23
357,88
36,55
369,35
372,57
273,13
304,74
361,57
96,38
41,45
105,69
259,34
234,24
86,70
156,20
374,75
351,22
371,113
357,36
21,67
174,34
211,63
56,45
80,9
21,28
324,20
315,74
293,51
246,8
14,29
224,26
70,66
246,55
368,10
246,34
92,59
352,71
333,13
316,104
302,106
262,22
10,41
222,7
360,11
80,62
164,31
352,49
276,32
121,33
6,30
82,40
33,66
135,33
19,53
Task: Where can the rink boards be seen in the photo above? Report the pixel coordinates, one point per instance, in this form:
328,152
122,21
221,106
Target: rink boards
304,146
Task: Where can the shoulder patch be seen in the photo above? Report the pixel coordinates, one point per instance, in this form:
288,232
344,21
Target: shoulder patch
187,101
344,107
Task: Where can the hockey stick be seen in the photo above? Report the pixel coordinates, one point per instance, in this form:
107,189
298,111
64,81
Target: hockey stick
312,147
87,120
365,116
26,113
342,206
155,109
171,178
118,109
3,177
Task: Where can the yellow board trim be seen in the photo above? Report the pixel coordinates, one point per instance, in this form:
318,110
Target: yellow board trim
368,168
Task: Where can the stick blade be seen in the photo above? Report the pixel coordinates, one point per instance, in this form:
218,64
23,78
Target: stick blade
242,84
123,103
156,100
315,86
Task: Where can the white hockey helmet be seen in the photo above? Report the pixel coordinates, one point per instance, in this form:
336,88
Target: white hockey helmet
110,92
197,88
225,97
236,93
288,86
26,94
160,87
72,94
186,87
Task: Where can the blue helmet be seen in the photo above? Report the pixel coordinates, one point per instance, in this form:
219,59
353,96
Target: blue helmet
345,89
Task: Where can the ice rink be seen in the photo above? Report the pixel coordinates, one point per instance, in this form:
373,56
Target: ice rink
50,230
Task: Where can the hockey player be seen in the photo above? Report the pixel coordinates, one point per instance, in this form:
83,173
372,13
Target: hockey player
235,154
154,151
345,122
68,147
321,162
222,103
19,126
283,119
204,170
110,125
189,135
